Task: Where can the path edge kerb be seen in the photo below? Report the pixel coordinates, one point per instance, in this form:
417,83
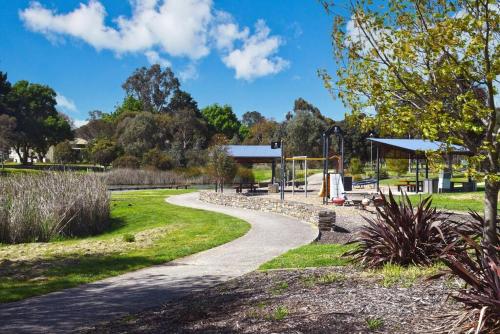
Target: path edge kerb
305,212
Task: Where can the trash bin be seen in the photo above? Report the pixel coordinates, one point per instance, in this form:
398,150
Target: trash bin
347,183
431,186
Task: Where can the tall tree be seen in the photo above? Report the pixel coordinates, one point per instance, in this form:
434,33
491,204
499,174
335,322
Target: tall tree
262,133
250,118
38,124
181,101
430,65
303,134
7,126
139,134
221,119
152,86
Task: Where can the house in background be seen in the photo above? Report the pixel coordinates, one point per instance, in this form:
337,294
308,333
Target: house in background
78,144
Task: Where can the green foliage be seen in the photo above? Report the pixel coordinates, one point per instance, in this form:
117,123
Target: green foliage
126,161
374,323
137,135
398,166
221,119
157,159
262,133
7,126
303,134
427,69
38,124
64,153
280,313
153,87
103,151
355,166
220,166
250,118
128,237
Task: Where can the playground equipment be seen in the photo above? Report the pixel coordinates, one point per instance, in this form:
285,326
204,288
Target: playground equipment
305,158
337,131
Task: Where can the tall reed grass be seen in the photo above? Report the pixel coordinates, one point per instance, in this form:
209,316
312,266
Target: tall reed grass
39,208
117,177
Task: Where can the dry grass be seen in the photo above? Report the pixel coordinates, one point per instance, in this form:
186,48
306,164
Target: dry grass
150,177
39,208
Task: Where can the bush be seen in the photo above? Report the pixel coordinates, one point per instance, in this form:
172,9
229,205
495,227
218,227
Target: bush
404,236
398,166
42,207
481,273
157,159
244,175
64,153
355,166
148,177
103,151
383,173
127,161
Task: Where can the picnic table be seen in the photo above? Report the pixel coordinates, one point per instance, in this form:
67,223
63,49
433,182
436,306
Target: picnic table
410,185
240,186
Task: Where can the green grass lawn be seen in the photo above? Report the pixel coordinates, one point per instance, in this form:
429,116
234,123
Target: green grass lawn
312,255
13,171
455,201
145,231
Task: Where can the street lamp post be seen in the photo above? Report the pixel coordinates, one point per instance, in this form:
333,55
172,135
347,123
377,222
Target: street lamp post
371,151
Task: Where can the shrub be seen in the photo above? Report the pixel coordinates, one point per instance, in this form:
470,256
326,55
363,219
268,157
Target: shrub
157,159
42,207
401,235
398,166
244,175
129,237
221,167
384,174
481,297
355,166
103,151
126,161
64,153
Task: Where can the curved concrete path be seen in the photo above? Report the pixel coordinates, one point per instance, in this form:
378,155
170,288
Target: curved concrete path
77,308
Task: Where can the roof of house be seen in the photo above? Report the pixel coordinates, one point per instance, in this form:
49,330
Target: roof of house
416,147
253,152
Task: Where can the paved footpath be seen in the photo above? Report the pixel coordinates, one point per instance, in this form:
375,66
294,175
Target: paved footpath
80,307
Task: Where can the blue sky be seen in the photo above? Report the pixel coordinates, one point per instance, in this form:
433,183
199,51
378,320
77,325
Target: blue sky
251,54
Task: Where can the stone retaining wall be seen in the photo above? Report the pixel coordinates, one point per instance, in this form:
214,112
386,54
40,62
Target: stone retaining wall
302,211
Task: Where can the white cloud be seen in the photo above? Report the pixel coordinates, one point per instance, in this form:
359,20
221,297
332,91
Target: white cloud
189,72
178,28
65,104
257,56
155,58
80,122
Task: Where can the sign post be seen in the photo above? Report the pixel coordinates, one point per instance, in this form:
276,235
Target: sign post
281,145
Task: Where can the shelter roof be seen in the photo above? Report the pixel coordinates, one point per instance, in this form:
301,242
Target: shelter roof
416,148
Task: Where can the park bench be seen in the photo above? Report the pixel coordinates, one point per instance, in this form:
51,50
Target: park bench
240,186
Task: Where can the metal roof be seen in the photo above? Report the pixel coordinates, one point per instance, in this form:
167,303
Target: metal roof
253,151
418,146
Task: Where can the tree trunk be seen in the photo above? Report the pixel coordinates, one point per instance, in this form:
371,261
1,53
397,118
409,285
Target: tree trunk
490,214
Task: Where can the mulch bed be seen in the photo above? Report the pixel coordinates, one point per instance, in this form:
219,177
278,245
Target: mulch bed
321,300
